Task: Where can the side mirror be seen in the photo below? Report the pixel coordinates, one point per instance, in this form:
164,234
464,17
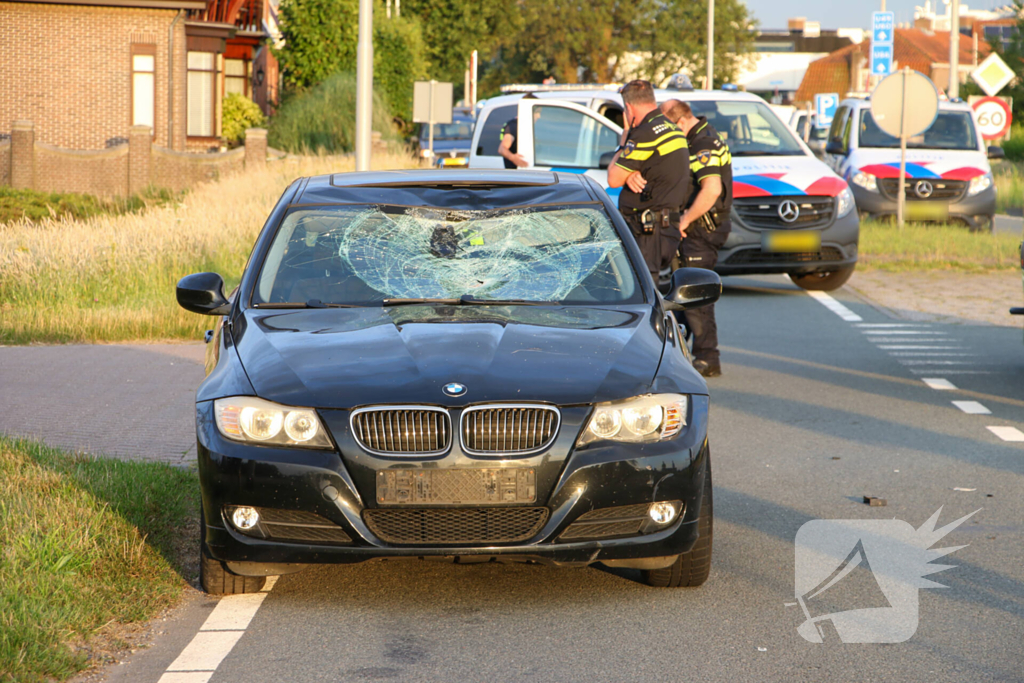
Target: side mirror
606,160
835,147
203,293
996,152
693,288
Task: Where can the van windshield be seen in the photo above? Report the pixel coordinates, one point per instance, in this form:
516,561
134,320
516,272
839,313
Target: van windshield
952,130
749,128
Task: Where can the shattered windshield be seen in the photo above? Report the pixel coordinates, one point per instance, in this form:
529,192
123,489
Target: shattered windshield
374,255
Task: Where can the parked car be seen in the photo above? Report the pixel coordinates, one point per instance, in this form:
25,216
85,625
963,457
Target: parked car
807,130
451,141
453,364
948,171
791,213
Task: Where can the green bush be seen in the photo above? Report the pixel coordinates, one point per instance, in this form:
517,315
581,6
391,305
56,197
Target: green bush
35,205
1014,147
239,113
324,118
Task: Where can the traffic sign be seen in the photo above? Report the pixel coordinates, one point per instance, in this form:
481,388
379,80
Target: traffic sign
992,75
881,60
882,25
825,106
922,103
994,117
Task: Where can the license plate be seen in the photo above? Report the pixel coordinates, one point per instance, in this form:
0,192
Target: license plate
790,241
413,486
454,161
927,211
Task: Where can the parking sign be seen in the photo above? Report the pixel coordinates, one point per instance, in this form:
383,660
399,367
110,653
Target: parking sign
825,106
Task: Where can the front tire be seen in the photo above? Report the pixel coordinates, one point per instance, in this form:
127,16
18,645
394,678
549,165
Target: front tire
823,282
691,569
214,576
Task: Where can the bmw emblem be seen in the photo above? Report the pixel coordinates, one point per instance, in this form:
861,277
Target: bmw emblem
454,389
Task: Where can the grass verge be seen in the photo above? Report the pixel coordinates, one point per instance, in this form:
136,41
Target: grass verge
1009,180
34,206
932,246
111,278
85,544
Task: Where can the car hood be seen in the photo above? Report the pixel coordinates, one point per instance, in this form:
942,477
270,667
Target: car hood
921,163
341,358
784,175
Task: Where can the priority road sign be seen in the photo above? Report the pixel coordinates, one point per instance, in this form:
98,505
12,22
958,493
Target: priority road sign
992,75
882,25
881,60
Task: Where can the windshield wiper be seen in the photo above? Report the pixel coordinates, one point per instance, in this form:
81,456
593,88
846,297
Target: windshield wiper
471,300
312,303
408,302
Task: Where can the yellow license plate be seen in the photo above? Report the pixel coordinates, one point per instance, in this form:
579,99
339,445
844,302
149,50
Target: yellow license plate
454,161
790,240
927,211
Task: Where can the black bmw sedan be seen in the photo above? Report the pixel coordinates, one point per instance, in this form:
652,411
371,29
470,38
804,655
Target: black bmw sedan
471,365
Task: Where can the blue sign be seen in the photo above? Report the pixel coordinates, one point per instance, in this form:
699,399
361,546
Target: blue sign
882,25
881,60
825,106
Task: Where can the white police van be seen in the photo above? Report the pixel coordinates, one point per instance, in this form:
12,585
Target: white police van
948,172
791,214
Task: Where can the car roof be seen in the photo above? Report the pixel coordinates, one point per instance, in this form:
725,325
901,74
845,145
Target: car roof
944,105
465,189
660,94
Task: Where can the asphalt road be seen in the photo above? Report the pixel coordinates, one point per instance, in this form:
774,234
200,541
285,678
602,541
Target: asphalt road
813,412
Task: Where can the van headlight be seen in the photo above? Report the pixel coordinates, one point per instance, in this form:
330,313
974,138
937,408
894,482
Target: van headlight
253,420
865,180
844,202
643,419
979,184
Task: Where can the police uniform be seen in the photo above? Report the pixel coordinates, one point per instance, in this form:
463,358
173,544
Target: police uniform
709,157
658,149
510,128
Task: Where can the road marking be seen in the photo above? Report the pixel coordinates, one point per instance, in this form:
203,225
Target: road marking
935,362
891,325
917,340
932,353
952,371
884,333
919,346
216,638
972,407
939,383
836,307
1007,433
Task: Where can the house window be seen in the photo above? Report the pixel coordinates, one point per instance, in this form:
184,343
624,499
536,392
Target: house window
201,94
143,85
236,77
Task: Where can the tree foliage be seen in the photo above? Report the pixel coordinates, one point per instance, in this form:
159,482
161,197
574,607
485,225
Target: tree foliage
239,113
1013,54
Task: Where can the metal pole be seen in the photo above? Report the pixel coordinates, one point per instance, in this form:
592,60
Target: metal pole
883,5
474,64
364,85
954,50
710,83
430,105
807,124
901,198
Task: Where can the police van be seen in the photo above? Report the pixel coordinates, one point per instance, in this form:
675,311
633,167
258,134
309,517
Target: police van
791,214
948,172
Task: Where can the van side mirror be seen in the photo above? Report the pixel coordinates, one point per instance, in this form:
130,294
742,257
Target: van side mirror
606,160
996,152
203,293
693,288
835,147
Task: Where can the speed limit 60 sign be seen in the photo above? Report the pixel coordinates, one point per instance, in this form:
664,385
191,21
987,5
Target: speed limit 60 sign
993,116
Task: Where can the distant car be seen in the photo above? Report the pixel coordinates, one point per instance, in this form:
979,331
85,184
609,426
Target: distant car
948,171
456,364
451,141
809,132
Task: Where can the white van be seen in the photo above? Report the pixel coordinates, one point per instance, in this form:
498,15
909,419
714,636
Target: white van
948,172
778,184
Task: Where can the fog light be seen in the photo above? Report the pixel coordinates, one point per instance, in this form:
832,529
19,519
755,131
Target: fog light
662,513
245,518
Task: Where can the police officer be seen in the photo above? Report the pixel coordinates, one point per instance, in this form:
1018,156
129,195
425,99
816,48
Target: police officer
705,222
508,148
651,167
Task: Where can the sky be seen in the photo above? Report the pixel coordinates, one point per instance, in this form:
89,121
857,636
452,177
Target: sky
844,13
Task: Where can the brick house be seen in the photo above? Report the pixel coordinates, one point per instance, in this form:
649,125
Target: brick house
848,70
84,72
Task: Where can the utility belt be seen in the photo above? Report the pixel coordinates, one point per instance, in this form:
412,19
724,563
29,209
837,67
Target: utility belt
710,220
645,222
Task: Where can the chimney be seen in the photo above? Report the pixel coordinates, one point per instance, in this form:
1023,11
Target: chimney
796,24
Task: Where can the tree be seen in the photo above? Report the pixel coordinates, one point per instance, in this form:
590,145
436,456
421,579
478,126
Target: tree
1013,54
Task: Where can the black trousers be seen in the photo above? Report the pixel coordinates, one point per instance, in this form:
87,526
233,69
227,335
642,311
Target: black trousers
657,248
700,250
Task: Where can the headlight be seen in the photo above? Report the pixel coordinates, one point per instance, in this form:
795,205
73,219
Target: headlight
253,420
865,180
844,203
425,153
979,184
637,420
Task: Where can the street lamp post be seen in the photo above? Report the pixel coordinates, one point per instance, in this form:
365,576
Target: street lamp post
710,82
364,85
953,91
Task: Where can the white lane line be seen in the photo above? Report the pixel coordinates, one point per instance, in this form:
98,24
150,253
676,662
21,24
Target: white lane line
908,347
891,325
1007,433
939,383
947,354
935,362
917,340
216,638
889,333
836,307
951,371
972,407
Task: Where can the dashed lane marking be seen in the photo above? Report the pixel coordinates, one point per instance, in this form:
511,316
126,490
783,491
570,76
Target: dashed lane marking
836,307
1007,433
951,371
972,407
896,347
939,383
890,333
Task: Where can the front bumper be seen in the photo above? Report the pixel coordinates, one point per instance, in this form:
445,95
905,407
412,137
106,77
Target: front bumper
335,487
971,210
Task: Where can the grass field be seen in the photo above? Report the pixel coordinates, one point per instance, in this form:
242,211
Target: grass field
1009,179
88,546
111,278
935,247
31,205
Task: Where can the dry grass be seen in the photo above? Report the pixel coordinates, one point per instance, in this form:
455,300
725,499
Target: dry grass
111,278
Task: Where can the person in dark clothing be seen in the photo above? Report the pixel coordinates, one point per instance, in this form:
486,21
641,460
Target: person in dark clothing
651,167
705,224
509,147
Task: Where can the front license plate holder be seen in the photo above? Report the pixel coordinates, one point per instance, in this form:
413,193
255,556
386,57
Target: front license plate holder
927,211
464,486
790,241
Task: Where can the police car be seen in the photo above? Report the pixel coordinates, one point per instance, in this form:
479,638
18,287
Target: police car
791,214
948,172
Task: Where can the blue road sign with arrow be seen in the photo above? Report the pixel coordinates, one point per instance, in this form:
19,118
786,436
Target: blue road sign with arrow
881,60
882,25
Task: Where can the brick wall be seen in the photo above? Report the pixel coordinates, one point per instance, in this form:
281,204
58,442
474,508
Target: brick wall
5,162
68,69
181,170
102,173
